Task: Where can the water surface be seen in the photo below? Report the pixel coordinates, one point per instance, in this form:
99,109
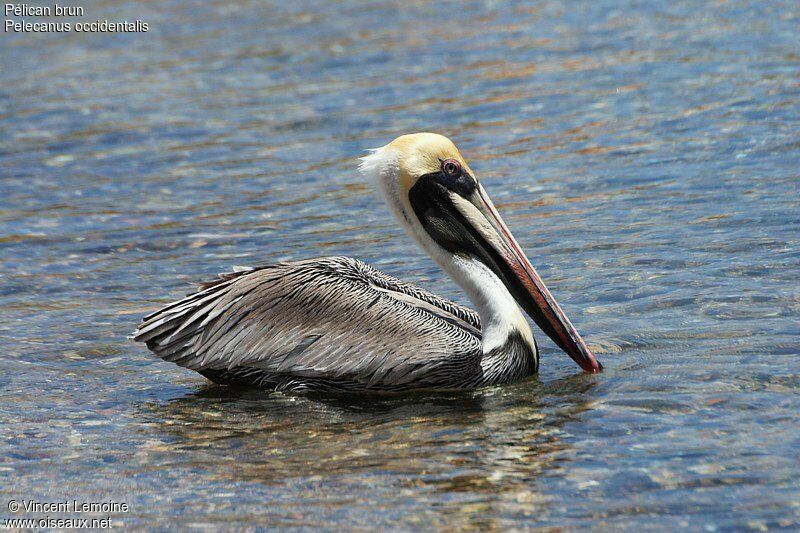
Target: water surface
645,154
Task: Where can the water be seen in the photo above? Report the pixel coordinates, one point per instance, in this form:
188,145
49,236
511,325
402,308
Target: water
644,154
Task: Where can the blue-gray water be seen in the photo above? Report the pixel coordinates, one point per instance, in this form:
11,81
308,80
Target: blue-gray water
645,154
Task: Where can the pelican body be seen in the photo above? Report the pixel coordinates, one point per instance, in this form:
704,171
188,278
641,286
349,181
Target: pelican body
337,324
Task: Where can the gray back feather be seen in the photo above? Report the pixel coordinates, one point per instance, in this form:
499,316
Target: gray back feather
331,318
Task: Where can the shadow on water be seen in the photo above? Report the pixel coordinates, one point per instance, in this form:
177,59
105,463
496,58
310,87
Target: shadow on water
471,441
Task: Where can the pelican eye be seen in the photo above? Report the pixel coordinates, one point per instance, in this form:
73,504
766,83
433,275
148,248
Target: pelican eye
451,168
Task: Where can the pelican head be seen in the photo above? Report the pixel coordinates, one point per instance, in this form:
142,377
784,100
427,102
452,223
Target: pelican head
437,198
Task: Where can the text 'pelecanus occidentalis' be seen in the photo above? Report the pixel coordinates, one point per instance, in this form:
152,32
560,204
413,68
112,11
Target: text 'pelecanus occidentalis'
336,324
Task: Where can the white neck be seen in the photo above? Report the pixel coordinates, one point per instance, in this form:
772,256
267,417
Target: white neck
500,315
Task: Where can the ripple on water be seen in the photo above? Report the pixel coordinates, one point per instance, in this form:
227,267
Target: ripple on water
645,157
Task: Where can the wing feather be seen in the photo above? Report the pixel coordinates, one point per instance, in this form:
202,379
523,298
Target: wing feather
329,318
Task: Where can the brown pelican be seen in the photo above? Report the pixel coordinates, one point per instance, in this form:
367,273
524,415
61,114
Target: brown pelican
337,324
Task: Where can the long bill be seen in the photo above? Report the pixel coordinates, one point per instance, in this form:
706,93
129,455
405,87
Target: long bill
506,258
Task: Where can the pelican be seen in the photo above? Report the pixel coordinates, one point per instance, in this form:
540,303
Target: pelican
336,324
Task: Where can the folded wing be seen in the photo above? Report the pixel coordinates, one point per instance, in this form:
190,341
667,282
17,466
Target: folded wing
332,320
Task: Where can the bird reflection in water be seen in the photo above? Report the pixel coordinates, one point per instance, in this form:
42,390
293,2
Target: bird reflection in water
496,442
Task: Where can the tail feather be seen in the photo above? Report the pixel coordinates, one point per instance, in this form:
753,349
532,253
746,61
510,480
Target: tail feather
173,331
